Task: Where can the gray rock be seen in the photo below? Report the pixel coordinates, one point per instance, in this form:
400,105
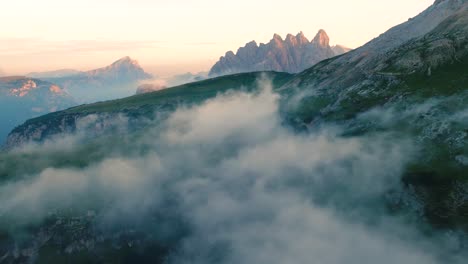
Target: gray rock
293,54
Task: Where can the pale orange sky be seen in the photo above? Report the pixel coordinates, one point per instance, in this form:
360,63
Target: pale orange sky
176,36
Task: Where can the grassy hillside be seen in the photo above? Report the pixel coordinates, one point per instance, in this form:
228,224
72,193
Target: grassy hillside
191,92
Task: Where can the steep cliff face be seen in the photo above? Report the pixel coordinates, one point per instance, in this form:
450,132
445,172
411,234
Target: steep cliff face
293,54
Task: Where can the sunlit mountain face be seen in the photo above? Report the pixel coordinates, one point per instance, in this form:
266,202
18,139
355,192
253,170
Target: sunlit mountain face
360,158
293,54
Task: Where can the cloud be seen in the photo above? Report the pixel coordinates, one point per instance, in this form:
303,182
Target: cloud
172,81
224,182
148,86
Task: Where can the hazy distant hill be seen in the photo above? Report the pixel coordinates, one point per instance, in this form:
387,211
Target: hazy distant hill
293,54
22,98
114,81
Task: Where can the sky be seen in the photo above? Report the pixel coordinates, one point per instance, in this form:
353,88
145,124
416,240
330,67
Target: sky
176,36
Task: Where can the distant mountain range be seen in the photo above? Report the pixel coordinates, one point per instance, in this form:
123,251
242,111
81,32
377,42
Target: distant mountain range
22,98
293,54
114,81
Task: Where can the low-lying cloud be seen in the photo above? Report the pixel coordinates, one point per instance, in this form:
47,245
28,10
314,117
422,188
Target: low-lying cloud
229,184
160,83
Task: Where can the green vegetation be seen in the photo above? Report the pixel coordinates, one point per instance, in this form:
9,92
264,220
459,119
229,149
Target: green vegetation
192,91
171,97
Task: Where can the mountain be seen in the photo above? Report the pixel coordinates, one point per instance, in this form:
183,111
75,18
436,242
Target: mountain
371,53
114,81
416,46
22,98
411,81
125,69
293,54
404,96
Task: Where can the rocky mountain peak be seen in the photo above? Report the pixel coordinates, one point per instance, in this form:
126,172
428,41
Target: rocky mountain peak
277,37
126,61
122,68
301,38
230,54
251,44
291,39
321,39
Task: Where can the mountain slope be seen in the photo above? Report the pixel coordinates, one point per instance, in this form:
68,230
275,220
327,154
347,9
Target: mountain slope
374,67
418,90
294,54
359,62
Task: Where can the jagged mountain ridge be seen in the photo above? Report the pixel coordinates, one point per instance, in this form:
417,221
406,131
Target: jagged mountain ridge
292,55
364,58
377,59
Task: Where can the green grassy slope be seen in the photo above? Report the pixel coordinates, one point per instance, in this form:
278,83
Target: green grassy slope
192,92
